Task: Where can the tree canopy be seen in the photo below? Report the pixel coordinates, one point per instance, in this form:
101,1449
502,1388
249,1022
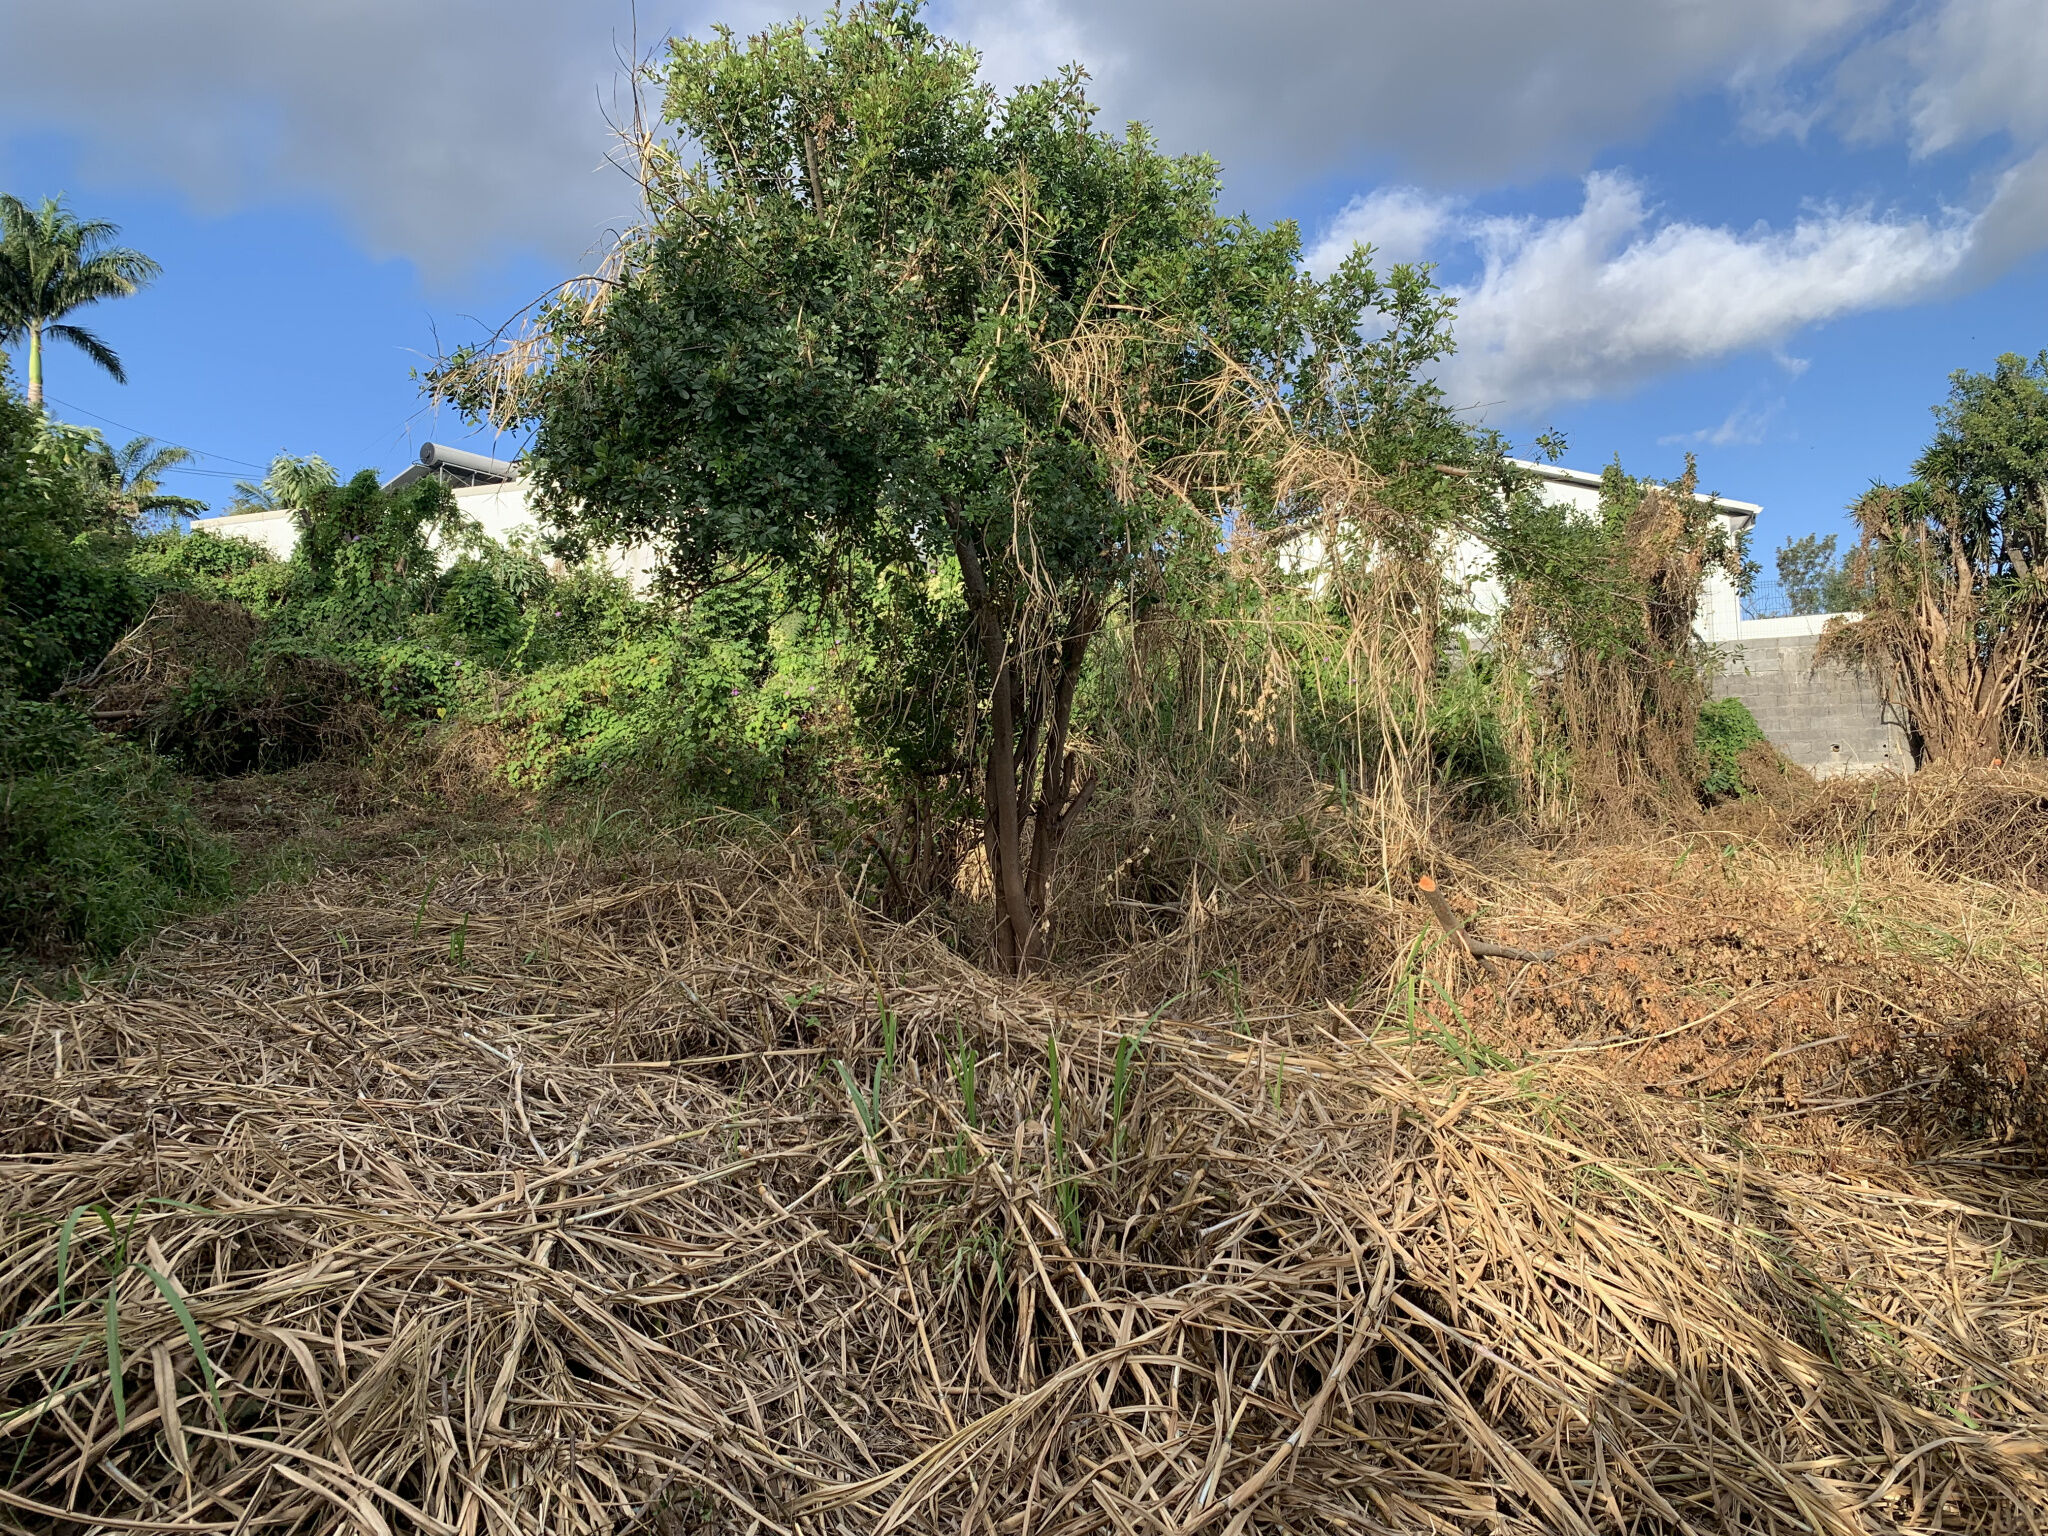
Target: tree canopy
52,262
887,329
1953,562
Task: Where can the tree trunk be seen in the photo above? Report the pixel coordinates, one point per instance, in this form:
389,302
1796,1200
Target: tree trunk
1031,703
35,366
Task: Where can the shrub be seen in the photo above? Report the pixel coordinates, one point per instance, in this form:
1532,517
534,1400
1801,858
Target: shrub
65,595
566,724
413,680
477,613
582,615
364,566
209,565
199,560
96,845
261,588
1726,730
719,700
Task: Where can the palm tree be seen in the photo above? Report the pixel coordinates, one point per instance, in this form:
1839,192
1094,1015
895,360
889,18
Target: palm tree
133,474
292,483
52,262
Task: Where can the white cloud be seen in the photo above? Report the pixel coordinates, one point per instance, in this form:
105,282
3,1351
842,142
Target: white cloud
450,131
1472,92
1744,426
1596,301
1401,224
454,131
1956,72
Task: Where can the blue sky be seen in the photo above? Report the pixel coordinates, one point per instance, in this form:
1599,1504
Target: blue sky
1762,230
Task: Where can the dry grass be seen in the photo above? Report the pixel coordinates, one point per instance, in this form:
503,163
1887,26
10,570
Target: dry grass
1980,823
252,709
538,1201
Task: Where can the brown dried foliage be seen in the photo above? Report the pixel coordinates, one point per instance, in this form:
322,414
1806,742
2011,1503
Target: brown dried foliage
534,1201
266,710
1623,701
1959,654
1973,823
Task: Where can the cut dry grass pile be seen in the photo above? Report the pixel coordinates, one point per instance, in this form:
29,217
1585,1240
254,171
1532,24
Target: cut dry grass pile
593,1194
1972,823
191,680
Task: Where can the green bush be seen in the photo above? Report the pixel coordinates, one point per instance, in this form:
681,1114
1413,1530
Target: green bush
97,847
477,613
1726,730
364,567
719,701
196,560
583,615
65,593
567,724
413,680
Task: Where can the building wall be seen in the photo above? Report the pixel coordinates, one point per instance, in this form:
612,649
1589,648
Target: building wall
275,531
500,510
1827,718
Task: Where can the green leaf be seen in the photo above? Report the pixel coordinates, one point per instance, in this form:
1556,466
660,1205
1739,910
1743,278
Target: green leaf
191,1327
114,1367
861,1106
64,1236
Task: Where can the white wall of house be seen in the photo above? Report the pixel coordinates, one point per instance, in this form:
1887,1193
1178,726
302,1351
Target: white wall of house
502,511
273,530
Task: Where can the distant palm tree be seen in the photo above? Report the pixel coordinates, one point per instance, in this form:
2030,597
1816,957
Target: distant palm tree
292,483
133,477
52,262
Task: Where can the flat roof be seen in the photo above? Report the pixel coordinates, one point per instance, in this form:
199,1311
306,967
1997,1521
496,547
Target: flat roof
253,515
1557,473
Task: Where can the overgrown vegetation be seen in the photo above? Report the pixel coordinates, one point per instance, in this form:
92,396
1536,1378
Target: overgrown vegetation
1956,606
1133,931
97,844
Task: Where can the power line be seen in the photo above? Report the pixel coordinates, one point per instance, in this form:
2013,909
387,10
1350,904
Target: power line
201,452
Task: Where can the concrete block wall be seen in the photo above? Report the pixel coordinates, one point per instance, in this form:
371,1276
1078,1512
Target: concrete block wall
1826,718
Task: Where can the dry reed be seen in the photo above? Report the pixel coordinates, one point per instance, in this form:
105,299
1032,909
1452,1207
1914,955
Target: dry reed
1983,823
670,1192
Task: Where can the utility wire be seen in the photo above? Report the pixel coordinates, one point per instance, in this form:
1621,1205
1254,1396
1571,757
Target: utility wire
201,452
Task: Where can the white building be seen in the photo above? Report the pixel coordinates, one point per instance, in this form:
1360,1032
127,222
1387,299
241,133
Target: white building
1827,720
488,492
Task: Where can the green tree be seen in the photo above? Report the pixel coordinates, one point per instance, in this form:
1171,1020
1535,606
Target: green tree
65,594
132,477
1814,580
1955,563
291,483
1987,464
891,327
51,263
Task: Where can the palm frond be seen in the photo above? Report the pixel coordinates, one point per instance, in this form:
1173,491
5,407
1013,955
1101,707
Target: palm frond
92,347
109,275
142,461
